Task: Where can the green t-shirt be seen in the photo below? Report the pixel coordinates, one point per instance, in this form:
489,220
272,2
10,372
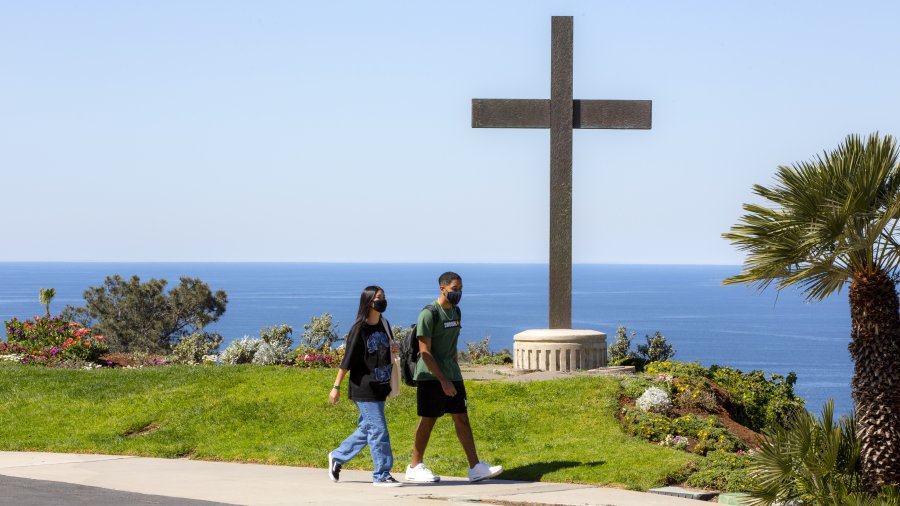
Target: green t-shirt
444,337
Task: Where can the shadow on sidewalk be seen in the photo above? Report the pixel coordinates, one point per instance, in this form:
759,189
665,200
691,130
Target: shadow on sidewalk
536,471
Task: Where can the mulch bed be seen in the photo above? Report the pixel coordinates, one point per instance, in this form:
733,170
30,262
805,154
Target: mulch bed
126,360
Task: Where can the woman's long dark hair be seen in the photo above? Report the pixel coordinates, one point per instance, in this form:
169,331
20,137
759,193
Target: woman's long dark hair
365,300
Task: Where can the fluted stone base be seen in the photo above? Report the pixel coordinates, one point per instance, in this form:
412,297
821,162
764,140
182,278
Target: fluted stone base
559,349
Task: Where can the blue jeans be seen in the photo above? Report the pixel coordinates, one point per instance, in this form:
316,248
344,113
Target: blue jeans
371,430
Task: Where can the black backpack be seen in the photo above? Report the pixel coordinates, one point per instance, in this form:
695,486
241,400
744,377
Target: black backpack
409,348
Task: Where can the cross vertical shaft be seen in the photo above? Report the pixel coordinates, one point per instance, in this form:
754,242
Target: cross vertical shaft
560,300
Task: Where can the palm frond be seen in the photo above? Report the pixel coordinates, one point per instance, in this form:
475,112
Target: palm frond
824,221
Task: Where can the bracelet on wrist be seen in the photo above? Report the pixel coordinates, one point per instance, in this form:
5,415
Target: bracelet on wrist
336,387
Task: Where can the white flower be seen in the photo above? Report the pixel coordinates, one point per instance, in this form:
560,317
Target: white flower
655,400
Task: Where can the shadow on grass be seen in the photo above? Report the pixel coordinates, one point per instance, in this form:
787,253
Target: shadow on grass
536,471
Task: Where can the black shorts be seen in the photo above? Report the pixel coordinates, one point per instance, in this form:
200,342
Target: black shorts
432,402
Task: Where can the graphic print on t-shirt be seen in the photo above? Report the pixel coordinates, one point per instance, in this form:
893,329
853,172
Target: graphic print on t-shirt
379,343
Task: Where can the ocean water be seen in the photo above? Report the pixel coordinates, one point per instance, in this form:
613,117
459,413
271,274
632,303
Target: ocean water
707,322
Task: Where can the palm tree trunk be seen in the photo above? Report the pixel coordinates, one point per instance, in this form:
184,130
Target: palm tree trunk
875,349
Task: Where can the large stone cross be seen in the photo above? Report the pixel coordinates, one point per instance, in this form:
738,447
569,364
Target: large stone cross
560,114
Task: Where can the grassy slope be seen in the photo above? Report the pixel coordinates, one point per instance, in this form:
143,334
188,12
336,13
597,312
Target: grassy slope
563,430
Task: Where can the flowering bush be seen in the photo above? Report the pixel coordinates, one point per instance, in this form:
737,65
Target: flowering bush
43,340
307,357
677,442
695,392
756,401
706,433
654,400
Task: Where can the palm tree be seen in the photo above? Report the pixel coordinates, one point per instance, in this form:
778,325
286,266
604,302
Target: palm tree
826,223
46,295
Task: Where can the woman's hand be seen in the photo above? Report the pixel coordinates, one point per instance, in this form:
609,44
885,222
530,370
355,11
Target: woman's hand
395,348
333,396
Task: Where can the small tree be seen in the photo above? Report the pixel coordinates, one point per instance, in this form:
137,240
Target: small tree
45,296
620,349
137,316
656,349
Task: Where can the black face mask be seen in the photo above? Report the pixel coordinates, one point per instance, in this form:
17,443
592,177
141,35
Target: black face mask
380,305
454,297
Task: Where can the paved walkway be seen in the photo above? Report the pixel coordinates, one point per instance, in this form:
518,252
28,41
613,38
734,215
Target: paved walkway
123,480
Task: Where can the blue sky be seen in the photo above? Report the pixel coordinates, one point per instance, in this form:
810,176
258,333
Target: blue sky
340,131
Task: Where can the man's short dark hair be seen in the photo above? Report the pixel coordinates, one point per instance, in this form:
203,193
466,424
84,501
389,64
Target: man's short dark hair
447,278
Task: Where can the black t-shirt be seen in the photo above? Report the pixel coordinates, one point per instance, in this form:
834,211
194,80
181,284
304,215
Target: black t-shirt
368,358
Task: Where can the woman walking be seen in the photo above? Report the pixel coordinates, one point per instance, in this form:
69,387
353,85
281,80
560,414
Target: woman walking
368,360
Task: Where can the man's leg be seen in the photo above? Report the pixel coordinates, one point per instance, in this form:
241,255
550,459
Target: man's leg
423,434
464,434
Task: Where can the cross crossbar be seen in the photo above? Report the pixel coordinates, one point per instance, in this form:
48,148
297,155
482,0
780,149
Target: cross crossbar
535,113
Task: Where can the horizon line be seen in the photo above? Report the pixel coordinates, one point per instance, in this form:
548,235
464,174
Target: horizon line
314,262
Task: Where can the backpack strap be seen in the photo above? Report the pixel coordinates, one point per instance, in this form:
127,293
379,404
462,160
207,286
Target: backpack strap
434,313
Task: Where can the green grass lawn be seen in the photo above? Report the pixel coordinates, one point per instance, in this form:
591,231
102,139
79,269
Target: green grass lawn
562,430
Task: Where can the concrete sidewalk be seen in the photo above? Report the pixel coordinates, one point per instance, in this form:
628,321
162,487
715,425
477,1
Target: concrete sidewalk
265,485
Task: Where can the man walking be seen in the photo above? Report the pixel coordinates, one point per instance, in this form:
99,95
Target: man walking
439,382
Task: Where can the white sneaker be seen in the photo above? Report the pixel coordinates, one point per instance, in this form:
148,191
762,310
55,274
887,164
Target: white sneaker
483,471
421,474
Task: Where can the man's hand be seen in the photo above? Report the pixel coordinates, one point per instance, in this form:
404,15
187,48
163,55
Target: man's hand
448,388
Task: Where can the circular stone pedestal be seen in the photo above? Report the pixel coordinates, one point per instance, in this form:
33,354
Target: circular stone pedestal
559,349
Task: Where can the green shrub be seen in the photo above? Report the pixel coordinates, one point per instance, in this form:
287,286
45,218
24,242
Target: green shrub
757,402
680,369
275,348
193,348
400,332
240,351
723,471
638,363
480,353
